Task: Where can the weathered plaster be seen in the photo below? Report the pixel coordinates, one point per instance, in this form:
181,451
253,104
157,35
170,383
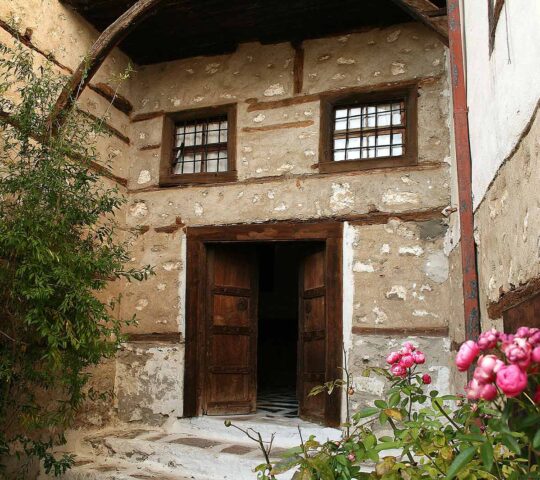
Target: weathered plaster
401,275
149,382
508,224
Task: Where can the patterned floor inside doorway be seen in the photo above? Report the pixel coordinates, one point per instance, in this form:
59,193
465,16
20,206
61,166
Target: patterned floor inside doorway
277,403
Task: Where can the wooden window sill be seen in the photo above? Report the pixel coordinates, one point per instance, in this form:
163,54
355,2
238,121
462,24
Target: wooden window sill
198,178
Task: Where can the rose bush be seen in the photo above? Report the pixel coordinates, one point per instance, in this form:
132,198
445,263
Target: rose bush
492,432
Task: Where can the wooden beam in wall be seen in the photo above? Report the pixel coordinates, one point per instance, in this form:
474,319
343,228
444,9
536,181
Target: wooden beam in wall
95,57
429,14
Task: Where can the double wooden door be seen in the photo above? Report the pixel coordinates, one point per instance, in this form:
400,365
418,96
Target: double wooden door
231,331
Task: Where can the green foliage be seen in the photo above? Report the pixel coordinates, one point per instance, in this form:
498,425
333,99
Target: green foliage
58,250
433,436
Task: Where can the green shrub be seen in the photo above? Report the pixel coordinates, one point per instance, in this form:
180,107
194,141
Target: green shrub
59,249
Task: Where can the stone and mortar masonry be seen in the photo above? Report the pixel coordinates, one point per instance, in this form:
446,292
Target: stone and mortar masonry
399,274
508,224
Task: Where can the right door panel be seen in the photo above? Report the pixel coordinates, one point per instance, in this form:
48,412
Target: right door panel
312,336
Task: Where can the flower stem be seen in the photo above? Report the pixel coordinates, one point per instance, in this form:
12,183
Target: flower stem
439,407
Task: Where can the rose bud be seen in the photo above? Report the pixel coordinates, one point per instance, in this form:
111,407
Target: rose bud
486,368
408,347
407,361
394,357
534,339
426,379
419,357
398,370
535,355
518,352
351,457
488,340
523,332
466,355
511,380
477,390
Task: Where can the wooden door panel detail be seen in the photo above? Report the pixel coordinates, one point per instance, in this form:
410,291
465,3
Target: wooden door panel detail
231,311
312,336
231,330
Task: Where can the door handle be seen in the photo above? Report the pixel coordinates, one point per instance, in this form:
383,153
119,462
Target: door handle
242,305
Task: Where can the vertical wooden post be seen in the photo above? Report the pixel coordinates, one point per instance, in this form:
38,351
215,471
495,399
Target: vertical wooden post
464,174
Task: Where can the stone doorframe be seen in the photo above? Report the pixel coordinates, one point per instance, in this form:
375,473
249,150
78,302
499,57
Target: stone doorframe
198,238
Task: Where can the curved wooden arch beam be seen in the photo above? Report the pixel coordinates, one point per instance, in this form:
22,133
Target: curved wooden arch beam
429,14
106,42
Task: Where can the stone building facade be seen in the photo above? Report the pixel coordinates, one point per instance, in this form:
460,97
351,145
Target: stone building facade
399,265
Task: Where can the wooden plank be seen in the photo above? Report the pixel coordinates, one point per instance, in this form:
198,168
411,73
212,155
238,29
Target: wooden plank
508,300
420,10
156,337
279,126
423,331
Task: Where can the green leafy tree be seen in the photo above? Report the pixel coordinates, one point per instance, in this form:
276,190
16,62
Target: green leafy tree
59,250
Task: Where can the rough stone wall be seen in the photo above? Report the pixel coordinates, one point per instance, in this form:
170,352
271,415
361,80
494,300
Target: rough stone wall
508,224
401,276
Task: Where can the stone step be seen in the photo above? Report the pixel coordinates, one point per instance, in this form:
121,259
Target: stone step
190,455
199,449
117,469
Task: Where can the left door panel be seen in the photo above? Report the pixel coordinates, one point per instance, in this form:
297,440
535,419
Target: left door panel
231,330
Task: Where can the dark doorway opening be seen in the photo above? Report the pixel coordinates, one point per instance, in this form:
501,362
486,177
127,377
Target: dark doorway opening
277,346
230,354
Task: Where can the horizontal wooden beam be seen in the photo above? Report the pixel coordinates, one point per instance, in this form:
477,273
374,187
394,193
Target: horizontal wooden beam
513,297
156,337
114,98
413,331
300,177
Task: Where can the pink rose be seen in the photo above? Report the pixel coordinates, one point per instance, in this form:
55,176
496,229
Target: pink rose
534,339
394,357
409,346
419,357
467,353
477,390
523,332
426,379
518,352
486,368
398,370
535,355
511,380
407,361
351,457
488,340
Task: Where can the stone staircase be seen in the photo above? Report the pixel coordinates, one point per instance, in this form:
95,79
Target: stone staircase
200,449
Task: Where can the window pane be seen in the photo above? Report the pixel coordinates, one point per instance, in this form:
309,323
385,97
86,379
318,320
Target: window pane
340,143
354,123
341,125
339,155
354,142
201,146
369,131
